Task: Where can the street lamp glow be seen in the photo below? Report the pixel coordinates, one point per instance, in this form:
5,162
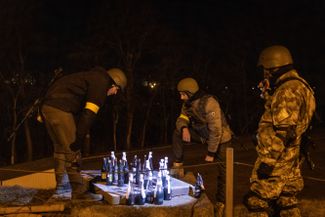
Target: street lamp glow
152,84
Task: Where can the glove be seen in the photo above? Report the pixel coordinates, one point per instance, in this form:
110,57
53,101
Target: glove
264,171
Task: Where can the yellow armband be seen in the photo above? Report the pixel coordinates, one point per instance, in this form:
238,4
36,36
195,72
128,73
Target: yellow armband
184,117
92,107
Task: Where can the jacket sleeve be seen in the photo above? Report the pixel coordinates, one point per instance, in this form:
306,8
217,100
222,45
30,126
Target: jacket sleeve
95,98
183,120
214,124
85,122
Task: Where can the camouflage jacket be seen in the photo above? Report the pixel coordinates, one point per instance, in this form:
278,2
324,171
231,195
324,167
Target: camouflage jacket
291,105
206,117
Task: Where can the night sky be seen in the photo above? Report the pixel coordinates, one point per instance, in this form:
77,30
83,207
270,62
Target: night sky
250,25
253,23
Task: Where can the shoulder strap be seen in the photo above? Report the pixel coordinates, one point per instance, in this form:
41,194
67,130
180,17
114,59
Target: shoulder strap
291,79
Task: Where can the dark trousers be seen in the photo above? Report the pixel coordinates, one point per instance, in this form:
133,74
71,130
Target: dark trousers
61,128
220,157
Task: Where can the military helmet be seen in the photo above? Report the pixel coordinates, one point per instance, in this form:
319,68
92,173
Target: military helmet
188,85
274,56
118,77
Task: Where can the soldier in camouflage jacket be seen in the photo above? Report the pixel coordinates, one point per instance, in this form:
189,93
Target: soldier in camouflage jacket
276,178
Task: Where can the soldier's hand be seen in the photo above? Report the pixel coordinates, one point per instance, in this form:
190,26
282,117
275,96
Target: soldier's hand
209,158
186,135
264,87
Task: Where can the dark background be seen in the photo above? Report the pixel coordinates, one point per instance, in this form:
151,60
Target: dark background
216,42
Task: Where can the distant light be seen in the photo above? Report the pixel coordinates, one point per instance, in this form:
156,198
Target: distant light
150,84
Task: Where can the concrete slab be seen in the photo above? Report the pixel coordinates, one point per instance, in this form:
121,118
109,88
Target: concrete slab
116,194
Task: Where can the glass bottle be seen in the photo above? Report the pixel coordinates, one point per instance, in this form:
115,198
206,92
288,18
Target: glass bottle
130,194
150,160
109,177
103,171
159,192
141,197
198,187
167,188
149,189
125,168
121,174
113,157
115,173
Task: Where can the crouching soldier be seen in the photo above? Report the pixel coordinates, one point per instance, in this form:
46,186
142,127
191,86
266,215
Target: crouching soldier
202,121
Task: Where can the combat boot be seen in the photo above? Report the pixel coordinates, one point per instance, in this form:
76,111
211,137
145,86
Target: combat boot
61,194
177,170
219,209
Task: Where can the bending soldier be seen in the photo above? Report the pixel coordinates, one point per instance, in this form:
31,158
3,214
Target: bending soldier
78,94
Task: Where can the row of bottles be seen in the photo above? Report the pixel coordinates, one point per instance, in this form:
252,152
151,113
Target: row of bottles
152,193
114,172
144,185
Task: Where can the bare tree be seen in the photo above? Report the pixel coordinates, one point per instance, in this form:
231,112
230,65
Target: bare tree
16,23
122,29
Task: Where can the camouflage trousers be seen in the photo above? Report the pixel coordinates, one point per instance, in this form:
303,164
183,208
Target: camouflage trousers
274,197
